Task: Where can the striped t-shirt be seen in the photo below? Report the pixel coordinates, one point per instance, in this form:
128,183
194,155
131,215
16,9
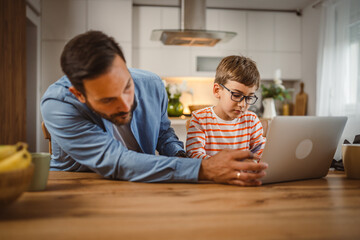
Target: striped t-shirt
208,134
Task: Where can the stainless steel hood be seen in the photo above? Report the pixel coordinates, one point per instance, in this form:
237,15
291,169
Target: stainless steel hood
192,32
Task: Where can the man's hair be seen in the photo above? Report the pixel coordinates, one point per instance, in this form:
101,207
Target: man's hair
238,68
88,56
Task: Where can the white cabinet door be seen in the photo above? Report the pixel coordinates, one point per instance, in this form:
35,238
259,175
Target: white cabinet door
145,19
153,55
233,21
212,19
170,18
290,65
63,19
126,47
287,32
268,62
173,61
265,62
113,17
260,31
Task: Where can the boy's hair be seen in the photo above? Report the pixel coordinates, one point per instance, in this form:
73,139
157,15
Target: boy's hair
88,56
238,68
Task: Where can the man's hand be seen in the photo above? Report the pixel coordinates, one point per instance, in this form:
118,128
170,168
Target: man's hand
229,166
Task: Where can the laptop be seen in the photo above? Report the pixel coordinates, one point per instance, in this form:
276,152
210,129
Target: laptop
301,147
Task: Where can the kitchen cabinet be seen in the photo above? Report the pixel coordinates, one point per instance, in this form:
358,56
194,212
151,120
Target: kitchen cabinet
260,33
290,65
113,18
145,19
172,61
233,21
273,40
287,32
153,55
105,15
64,19
268,62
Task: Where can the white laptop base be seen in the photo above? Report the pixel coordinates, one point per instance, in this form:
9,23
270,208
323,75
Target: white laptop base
301,147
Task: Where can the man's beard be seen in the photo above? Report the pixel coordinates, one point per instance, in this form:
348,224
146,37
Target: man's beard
114,117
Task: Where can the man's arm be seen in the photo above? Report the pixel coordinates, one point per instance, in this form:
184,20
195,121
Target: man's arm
86,143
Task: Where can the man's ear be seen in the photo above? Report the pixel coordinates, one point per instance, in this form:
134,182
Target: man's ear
77,94
216,90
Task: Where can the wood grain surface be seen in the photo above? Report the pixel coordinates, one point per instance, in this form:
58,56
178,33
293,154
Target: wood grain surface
12,71
86,206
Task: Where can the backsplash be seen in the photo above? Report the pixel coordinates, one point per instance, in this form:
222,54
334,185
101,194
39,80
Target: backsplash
202,88
203,92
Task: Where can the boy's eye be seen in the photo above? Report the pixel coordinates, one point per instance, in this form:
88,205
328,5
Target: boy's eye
237,95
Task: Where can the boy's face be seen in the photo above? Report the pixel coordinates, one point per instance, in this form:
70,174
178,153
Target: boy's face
226,108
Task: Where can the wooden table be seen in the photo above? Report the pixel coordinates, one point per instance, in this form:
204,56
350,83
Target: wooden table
85,206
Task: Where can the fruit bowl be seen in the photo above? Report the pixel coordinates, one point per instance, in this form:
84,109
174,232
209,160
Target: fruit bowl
13,183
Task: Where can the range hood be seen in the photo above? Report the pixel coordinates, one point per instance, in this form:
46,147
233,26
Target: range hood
193,31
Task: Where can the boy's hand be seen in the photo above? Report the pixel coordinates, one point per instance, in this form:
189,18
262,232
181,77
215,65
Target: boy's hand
228,167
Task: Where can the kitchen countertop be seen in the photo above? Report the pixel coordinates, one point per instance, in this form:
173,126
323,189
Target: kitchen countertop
86,206
179,120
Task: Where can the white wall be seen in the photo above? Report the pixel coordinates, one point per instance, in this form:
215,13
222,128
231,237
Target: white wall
310,40
33,32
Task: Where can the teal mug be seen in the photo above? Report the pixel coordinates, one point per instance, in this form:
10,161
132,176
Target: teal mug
41,163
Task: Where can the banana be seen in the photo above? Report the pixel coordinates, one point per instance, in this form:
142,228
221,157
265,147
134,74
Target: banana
18,160
8,150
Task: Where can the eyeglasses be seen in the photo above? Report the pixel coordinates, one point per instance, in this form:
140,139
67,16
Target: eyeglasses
238,97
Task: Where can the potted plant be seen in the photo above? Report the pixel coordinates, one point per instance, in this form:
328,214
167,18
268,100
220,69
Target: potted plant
174,91
272,92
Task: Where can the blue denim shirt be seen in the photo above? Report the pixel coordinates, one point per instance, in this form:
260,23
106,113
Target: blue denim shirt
83,141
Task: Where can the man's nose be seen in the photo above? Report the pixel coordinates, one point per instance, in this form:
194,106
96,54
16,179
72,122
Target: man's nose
123,104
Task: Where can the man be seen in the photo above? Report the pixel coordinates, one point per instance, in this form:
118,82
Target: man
109,119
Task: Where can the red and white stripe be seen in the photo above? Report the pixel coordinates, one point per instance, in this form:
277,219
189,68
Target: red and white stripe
208,134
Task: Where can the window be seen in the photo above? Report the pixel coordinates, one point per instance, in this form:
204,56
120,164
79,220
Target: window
352,99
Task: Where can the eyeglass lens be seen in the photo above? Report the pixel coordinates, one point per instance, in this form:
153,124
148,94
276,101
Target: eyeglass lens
248,99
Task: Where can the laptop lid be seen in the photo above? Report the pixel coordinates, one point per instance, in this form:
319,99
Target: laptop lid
301,147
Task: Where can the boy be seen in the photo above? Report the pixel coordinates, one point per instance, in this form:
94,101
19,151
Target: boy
228,124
